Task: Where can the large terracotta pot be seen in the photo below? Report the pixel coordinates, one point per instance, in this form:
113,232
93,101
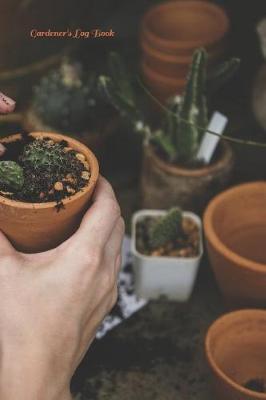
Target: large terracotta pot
235,229
179,27
169,34
236,353
35,227
165,185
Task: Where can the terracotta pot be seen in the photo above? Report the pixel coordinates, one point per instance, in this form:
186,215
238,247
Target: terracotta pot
235,229
35,227
160,86
171,66
179,27
165,185
236,353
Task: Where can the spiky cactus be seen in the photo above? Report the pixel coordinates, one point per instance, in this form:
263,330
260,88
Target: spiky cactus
65,99
167,228
180,133
44,155
11,176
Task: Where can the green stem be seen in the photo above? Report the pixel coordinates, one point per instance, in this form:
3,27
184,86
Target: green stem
203,129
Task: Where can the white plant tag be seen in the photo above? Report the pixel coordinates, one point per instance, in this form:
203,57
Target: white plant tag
209,141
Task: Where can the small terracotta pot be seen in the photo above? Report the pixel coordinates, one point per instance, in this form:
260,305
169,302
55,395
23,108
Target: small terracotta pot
160,86
235,229
236,353
165,185
179,27
36,227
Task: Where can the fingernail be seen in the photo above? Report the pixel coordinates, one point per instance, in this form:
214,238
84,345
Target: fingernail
6,103
2,149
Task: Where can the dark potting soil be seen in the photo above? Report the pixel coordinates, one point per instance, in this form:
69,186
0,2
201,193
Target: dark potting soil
256,385
43,184
185,245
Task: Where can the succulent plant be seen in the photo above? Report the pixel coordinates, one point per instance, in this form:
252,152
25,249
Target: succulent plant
182,126
66,99
44,155
11,176
167,228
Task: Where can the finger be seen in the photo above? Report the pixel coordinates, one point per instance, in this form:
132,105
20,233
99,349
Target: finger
99,221
5,246
7,105
103,186
2,149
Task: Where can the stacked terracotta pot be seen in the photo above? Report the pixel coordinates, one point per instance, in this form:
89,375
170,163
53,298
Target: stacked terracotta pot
170,32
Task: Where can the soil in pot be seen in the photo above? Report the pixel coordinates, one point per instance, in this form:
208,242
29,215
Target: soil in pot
51,171
256,385
185,244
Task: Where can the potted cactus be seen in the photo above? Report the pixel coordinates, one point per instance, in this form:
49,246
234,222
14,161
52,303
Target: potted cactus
66,100
46,181
171,172
167,249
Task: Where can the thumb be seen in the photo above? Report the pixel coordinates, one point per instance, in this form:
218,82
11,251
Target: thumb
5,245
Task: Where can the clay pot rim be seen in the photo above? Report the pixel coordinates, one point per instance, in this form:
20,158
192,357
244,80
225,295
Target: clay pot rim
208,351
214,239
226,156
223,24
92,160
171,58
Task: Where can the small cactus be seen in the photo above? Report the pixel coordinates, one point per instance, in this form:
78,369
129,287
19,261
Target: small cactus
180,133
44,155
65,99
11,176
167,228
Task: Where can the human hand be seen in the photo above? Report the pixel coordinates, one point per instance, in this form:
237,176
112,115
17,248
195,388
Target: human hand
52,303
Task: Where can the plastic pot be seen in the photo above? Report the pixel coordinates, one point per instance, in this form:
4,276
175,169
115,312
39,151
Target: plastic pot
36,227
236,353
173,277
235,229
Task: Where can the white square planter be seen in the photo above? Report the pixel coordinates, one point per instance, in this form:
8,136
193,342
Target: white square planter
173,277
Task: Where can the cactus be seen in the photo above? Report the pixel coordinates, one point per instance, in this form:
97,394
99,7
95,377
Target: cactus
120,91
167,228
180,133
44,155
11,176
65,100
